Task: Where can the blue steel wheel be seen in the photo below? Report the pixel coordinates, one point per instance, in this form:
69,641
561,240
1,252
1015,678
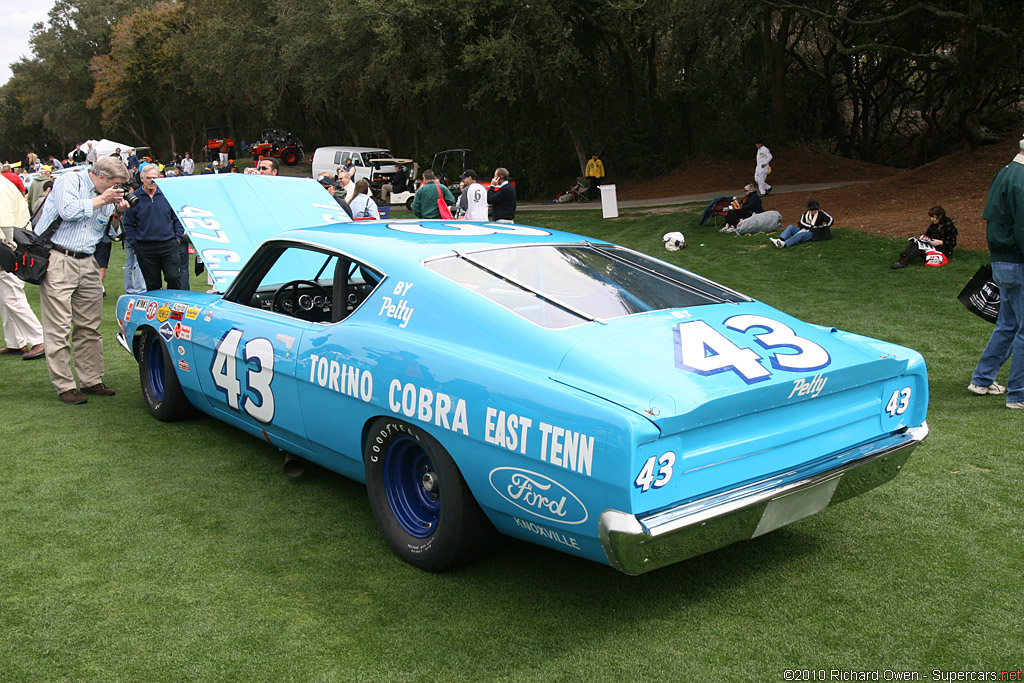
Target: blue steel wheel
160,387
420,500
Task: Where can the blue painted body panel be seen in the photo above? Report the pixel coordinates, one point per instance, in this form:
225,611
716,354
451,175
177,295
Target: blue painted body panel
549,427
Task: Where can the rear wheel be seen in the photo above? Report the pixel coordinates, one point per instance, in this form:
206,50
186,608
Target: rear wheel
290,157
160,387
408,203
420,500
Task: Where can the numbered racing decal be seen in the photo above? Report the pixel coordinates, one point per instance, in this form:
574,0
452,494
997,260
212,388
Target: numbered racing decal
701,349
656,472
257,400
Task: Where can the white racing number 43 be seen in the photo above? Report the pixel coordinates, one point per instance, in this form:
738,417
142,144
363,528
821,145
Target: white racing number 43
258,398
703,350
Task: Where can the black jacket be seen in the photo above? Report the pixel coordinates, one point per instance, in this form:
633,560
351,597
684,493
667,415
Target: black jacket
503,199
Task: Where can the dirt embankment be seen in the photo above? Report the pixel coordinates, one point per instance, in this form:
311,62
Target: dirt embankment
892,202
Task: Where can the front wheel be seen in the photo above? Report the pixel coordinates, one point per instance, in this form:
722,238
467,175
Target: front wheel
160,387
408,203
420,500
290,157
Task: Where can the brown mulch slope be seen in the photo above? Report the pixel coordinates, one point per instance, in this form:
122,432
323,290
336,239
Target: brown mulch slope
894,202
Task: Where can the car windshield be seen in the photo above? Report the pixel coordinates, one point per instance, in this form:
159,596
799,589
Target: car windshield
562,285
383,154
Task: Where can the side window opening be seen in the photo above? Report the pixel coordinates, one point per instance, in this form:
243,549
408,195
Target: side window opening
305,283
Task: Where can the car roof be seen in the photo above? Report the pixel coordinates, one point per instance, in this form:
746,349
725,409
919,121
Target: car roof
392,245
354,149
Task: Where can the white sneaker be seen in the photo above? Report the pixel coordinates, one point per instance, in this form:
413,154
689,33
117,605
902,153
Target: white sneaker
777,242
993,388
727,228
1019,405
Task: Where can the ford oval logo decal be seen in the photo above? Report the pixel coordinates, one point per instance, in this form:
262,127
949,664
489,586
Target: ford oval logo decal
539,495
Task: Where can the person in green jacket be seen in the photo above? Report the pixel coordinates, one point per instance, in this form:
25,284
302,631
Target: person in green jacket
424,204
1004,212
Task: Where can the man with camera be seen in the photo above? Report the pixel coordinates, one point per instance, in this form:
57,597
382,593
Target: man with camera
71,294
153,230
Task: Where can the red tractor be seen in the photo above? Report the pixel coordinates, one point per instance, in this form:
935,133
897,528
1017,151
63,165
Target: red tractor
216,136
275,142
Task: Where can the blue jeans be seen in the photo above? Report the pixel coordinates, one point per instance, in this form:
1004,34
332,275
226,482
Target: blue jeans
133,282
793,234
1008,337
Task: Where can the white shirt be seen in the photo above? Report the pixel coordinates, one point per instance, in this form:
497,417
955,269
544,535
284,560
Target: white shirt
188,165
764,156
476,202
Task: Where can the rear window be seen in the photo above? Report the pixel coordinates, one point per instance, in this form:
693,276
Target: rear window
563,285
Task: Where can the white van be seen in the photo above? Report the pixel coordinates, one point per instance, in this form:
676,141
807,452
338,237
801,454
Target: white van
328,159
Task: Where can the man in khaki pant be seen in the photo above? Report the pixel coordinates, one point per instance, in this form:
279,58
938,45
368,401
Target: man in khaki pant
22,331
71,294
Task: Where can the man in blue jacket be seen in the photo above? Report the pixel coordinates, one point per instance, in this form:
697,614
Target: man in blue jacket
154,232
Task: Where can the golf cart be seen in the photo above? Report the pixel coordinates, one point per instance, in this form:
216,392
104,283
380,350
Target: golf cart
391,170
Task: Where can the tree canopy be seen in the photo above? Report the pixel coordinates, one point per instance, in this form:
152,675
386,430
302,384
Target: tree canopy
536,87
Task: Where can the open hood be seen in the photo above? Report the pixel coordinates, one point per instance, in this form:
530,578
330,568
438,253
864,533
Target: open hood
229,215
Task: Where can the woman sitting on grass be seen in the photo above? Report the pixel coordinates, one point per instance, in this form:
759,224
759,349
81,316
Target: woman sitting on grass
751,205
815,226
940,236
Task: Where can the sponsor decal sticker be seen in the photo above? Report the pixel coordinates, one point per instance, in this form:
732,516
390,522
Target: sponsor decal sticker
192,312
151,310
176,315
183,364
179,307
163,313
128,311
181,350
183,332
209,316
538,495
166,331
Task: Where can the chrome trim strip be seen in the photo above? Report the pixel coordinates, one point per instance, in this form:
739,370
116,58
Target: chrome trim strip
636,545
532,290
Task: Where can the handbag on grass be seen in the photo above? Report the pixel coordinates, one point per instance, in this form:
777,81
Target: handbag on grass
981,295
30,258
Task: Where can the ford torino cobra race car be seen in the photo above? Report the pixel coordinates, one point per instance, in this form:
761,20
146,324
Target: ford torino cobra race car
484,378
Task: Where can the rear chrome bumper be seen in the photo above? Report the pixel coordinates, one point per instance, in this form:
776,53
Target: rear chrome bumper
636,545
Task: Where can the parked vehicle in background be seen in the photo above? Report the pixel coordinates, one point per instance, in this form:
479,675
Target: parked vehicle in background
399,195
328,159
275,142
215,137
448,165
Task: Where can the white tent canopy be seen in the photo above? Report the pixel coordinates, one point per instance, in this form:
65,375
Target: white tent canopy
105,148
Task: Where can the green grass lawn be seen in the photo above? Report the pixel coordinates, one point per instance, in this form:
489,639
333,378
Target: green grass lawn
133,550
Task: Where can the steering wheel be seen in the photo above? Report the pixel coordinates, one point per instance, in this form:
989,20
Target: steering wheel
294,304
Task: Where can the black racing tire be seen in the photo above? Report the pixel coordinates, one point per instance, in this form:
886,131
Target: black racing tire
161,390
420,500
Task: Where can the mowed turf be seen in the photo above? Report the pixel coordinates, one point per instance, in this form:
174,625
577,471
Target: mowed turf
133,550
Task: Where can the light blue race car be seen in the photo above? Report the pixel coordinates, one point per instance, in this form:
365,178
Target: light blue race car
484,378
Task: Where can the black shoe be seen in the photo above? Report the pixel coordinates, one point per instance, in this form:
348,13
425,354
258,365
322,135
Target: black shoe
898,265
768,192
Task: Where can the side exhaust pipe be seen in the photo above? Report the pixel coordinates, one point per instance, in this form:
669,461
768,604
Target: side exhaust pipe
294,466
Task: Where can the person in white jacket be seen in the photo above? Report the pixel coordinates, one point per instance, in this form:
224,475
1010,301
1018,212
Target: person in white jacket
762,169
473,200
